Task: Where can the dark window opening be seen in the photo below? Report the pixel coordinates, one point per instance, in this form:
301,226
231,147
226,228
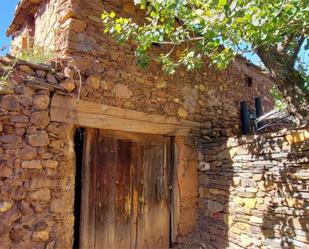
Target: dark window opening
248,81
78,141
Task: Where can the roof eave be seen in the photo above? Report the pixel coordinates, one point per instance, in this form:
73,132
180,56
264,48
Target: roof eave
23,9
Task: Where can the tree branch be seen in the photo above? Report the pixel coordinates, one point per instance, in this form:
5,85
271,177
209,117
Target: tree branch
297,49
288,42
288,80
180,41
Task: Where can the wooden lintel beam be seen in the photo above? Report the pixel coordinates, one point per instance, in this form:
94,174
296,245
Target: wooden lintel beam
88,114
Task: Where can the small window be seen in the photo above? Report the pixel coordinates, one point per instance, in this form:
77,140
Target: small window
248,81
24,43
27,40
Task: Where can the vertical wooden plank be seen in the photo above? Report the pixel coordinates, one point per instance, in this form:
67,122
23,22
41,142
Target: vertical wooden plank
175,195
123,194
156,210
134,196
140,236
104,162
111,197
166,205
87,225
93,189
168,158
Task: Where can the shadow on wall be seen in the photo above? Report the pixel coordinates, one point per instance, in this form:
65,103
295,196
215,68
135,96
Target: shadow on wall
215,180
253,192
215,177
285,220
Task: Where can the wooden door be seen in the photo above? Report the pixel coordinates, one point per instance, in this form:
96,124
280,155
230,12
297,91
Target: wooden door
125,197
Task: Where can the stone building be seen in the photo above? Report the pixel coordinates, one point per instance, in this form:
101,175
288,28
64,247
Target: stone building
98,153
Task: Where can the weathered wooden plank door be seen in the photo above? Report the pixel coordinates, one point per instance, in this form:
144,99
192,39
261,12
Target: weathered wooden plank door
125,199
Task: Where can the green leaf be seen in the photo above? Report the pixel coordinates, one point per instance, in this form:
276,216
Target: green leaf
142,3
112,14
104,16
215,22
222,3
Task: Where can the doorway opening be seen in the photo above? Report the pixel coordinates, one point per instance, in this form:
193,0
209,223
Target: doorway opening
126,190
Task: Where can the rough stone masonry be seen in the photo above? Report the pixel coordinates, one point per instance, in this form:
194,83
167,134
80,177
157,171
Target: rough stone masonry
227,203
36,165
253,191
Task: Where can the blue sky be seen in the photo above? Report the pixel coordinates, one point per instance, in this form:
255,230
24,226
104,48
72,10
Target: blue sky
8,9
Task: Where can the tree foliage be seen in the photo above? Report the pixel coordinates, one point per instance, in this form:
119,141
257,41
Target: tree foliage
219,29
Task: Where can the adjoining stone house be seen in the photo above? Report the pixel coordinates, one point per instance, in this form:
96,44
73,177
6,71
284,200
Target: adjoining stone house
102,154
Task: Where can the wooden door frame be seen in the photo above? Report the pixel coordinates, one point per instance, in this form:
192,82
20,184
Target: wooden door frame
87,238
86,114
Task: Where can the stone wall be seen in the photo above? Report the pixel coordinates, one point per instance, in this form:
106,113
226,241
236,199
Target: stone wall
40,25
36,164
48,24
112,77
21,41
253,191
109,74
